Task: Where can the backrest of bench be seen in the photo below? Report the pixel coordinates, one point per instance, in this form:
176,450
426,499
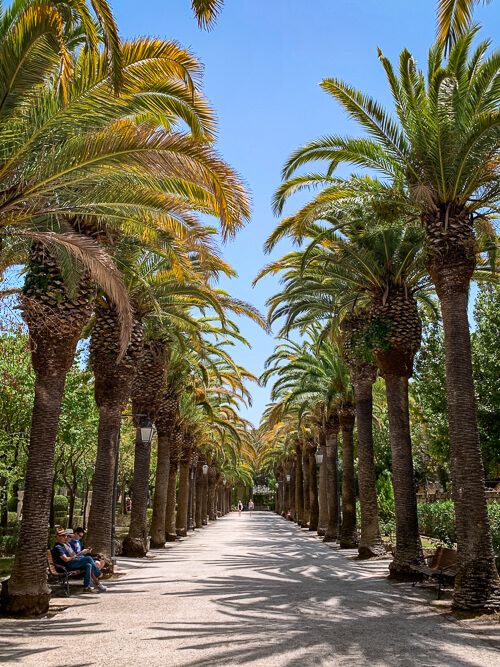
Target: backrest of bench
448,558
436,558
52,566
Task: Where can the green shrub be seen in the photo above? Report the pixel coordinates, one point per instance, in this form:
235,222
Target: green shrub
61,504
12,518
12,504
8,543
437,520
149,514
385,498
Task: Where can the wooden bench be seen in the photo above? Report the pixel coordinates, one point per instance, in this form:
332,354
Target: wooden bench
59,575
442,565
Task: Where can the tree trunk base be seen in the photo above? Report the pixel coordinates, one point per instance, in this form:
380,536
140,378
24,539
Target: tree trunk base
403,572
157,545
170,537
348,543
477,586
329,538
181,532
321,532
365,552
134,547
23,605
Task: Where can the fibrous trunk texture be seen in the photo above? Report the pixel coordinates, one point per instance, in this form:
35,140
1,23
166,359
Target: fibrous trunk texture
313,489
212,500
135,544
147,397
306,482
370,543
181,522
348,537
397,311
451,264
199,487
299,486
323,489
331,457
408,545
170,510
55,322
113,381
164,421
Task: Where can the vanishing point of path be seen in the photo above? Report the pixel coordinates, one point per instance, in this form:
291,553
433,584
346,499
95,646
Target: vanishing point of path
250,591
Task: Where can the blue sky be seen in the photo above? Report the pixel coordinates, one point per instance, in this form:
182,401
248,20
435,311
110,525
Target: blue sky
263,62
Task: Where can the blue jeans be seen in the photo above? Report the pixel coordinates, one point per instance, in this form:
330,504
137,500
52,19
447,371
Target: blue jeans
87,564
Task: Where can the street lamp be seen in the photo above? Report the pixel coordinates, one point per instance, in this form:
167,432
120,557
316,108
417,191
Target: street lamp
319,458
224,481
288,478
146,429
205,469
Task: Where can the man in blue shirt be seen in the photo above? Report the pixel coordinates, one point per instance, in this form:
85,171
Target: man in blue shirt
64,556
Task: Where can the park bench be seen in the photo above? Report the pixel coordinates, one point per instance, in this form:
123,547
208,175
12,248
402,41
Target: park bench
442,565
59,575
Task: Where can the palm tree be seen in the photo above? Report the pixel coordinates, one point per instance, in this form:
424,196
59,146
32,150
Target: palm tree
206,11
454,19
439,163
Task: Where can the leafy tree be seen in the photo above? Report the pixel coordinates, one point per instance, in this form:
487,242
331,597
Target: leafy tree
485,358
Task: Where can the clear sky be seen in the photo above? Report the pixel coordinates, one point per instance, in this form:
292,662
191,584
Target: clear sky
263,62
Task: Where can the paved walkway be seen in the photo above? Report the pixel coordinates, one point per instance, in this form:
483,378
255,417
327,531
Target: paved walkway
250,591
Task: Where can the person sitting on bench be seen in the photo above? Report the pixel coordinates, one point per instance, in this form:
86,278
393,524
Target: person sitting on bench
76,545
64,556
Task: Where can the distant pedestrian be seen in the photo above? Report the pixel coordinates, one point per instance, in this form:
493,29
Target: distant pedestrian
240,507
250,507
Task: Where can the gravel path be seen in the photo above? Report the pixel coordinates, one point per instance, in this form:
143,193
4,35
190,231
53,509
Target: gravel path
250,591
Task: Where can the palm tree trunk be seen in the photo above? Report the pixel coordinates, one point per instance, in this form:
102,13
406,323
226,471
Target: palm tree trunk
331,448
55,322
299,486
204,501
292,490
135,544
408,546
313,490
212,501
100,514
306,481
370,543
198,514
26,593
477,576
323,491
348,537
113,382
161,486
182,511
170,530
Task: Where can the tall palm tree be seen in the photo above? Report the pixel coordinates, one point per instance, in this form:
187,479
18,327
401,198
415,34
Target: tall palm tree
438,158
454,19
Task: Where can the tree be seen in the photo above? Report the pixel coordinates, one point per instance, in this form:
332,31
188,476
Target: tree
485,357
438,164
454,18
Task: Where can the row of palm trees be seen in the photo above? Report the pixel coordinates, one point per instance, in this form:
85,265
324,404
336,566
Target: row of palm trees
106,167
406,235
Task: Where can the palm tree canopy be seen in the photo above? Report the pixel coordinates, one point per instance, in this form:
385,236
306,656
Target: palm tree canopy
454,18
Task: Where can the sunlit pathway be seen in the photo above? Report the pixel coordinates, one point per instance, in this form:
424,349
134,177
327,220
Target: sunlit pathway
252,591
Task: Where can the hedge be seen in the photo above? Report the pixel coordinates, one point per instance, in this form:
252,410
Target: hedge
437,520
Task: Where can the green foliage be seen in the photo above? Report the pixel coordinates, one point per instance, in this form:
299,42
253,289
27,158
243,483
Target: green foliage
385,497
437,520
12,518
374,336
61,504
12,504
485,359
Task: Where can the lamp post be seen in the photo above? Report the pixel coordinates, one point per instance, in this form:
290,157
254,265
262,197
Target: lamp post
319,457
